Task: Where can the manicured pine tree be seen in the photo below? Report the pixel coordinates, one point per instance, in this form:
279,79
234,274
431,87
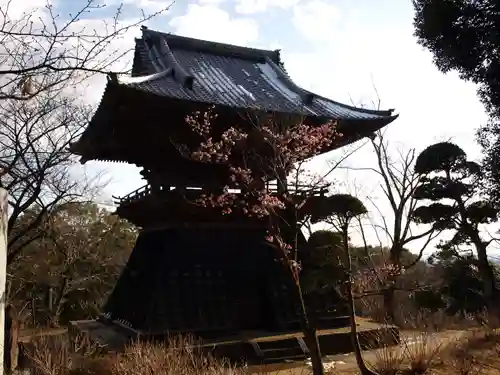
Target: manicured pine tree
451,190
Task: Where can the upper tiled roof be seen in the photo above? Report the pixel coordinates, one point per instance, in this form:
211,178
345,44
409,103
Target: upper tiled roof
223,74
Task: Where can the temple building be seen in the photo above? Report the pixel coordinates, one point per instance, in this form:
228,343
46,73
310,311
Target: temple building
191,272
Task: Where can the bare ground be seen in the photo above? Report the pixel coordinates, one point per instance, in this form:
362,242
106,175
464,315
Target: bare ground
346,363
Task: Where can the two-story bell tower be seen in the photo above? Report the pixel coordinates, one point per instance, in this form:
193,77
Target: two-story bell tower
192,270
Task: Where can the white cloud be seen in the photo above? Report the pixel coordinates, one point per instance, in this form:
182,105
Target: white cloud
212,23
211,1
151,6
259,6
316,20
404,76
118,55
432,106
274,46
20,9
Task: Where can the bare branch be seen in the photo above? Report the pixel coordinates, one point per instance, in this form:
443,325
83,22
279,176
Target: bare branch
40,50
398,183
39,170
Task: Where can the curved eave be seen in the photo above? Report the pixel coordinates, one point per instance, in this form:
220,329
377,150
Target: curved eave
364,128
101,123
82,146
357,130
308,96
152,82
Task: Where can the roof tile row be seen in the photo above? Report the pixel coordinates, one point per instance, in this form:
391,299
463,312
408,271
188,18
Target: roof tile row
233,78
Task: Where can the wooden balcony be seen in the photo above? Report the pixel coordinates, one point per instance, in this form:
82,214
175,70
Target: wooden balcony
146,190
170,205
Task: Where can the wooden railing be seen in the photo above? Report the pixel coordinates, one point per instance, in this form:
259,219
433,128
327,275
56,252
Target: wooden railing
271,187
300,189
144,191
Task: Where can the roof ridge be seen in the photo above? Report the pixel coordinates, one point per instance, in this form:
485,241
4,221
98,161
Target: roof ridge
188,43
156,51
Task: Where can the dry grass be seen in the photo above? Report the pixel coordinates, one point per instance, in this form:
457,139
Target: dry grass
417,353
49,355
56,355
177,357
475,352
388,361
409,316
422,350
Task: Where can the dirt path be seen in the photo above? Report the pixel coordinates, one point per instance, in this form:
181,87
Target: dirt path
347,363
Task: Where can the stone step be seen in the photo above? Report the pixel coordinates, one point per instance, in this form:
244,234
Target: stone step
281,350
270,350
298,357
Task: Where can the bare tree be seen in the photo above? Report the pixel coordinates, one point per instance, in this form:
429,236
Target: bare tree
38,170
84,249
398,181
43,55
41,50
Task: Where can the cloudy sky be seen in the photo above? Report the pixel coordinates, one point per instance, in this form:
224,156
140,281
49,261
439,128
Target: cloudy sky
341,49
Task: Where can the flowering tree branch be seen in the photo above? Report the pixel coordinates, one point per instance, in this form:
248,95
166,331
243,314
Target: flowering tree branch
254,154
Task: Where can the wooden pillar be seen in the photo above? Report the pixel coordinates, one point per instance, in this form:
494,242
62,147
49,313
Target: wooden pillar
3,271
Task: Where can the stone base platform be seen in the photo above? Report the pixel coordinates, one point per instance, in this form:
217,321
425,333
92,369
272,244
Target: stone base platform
253,347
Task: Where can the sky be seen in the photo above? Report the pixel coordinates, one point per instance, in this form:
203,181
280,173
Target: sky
352,51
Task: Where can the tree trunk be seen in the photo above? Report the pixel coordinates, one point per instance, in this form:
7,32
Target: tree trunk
310,336
354,333
308,330
490,289
389,303
390,291
352,311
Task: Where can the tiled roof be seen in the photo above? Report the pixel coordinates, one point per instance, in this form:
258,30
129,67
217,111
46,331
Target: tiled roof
222,74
